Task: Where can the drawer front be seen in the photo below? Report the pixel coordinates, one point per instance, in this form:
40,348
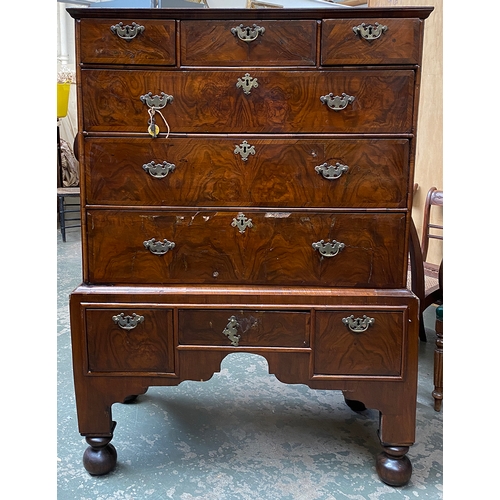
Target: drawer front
205,101
223,247
359,342
105,41
346,41
244,328
278,172
129,339
239,43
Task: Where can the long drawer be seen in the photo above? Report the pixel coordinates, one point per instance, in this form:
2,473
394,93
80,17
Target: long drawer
274,172
251,247
369,101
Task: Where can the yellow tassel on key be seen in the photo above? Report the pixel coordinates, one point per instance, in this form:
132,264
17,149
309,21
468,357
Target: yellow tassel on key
153,132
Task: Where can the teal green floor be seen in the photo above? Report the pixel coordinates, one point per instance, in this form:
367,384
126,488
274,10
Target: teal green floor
242,435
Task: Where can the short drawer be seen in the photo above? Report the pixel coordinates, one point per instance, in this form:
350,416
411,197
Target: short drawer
250,247
361,101
127,41
298,173
360,342
382,41
129,339
240,43
244,328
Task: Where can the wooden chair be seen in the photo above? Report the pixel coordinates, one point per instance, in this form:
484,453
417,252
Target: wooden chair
423,275
64,206
437,393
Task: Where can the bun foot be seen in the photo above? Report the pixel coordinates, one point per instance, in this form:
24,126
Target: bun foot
393,466
100,457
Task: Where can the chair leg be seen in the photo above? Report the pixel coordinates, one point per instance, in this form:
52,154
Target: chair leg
62,222
437,393
421,329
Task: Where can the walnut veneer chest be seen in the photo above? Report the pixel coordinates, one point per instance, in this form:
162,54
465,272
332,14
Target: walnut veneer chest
245,181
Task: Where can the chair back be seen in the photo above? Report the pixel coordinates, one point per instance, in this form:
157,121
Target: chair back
431,230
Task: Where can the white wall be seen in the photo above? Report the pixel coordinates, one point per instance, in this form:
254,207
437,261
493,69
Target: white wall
66,57
429,157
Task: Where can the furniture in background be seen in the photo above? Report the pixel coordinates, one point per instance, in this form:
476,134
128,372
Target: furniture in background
424,276
68,198
65,207
431,230
246,178
438,353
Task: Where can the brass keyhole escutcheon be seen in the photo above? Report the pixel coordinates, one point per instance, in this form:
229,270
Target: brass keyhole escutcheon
247,83
244,150
241,222
231,331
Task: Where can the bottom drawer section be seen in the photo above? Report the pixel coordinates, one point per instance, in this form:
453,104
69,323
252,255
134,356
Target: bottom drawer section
129,339
360,342
244,327
308,335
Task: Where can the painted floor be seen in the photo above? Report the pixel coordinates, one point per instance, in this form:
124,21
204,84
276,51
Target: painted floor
242,435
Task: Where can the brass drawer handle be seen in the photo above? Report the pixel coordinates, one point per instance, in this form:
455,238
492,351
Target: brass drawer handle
127,32
358,325
335,102
158,170
156,101
247,34
247,83
231,331
370,32
331,172
328,249
159,247
128,322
